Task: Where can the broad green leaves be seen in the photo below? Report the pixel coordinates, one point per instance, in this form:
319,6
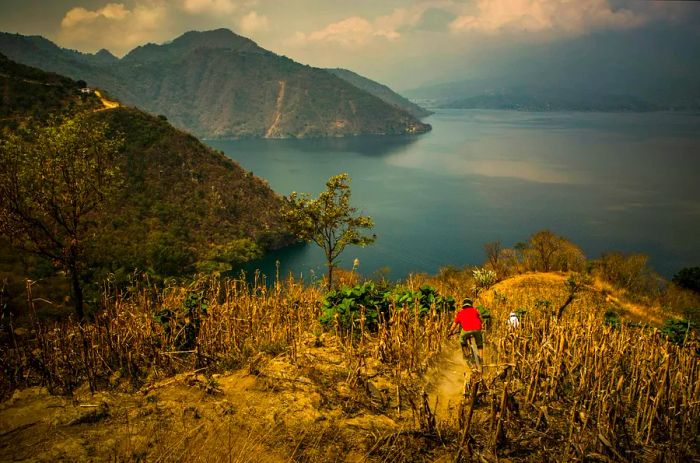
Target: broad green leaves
370,303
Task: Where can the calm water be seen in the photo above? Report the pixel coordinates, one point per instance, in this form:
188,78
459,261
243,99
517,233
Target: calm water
628,182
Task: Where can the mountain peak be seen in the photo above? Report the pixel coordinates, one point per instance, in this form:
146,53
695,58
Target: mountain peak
190,41
216,37
104,53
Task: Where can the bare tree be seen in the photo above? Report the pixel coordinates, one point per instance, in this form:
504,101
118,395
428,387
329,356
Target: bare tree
493,251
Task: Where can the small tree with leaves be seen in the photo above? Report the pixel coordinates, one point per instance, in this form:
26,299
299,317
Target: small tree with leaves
329,220
53,181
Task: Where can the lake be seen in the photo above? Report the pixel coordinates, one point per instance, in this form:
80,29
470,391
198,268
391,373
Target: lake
606,181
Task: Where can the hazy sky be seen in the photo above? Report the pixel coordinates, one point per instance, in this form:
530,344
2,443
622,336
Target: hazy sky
404,43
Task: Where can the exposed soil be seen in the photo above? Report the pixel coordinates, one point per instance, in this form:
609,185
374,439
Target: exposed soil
267,412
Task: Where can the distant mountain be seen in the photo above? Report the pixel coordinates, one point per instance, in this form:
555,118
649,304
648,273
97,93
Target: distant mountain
381,91
543,100
217,84
635,70
476,94
183,207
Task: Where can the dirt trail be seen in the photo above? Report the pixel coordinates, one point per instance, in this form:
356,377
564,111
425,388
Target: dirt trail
445,381
108,104
278,109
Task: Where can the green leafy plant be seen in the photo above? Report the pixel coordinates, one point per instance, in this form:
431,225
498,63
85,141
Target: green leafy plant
676,330
369,303
612,318
484,313
183,323
484,278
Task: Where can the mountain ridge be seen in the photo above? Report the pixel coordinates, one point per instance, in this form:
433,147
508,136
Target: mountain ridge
380,90
218,84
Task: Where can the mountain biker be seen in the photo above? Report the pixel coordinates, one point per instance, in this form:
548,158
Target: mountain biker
469,320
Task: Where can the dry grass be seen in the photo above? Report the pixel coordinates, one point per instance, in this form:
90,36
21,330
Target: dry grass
563,387
126,341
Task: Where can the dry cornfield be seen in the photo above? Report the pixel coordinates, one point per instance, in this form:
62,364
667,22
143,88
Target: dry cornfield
563,387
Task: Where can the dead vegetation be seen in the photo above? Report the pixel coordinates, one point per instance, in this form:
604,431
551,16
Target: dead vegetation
227,371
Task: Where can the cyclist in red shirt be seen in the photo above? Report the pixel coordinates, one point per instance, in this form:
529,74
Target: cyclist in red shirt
469,320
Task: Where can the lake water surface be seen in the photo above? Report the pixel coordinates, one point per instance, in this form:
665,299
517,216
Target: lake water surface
606,181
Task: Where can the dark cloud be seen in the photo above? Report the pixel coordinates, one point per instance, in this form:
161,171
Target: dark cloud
433,20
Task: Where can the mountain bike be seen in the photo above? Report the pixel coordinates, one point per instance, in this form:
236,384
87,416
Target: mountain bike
470,352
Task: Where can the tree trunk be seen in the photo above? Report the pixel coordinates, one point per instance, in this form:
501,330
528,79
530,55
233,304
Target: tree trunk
330,276
77,287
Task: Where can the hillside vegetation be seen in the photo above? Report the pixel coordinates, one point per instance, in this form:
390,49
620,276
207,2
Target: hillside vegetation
181,207
260,376
28,93
217,84
380,91
223,370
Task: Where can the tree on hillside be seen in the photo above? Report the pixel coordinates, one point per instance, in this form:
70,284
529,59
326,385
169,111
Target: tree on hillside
52,182
545,245
546,252
626,271
329,220
494,252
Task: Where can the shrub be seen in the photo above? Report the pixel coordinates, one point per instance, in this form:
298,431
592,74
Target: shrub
612,318
372,301
629,272
484,279
676,330
688,278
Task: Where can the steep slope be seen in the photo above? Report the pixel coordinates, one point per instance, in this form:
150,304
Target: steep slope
182,207
190,207
380,91
41,53
217,84
28,92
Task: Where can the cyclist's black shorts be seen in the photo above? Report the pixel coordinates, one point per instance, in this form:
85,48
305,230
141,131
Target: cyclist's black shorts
476,334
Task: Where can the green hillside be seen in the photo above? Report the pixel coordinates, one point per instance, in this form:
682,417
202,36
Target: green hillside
217,84
27,92
191,207
380,91
181,207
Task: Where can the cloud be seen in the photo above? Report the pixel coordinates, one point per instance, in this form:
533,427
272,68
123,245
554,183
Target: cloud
545,16
434,19
120,28
114,26
210,6
358,31
351,32
253,22
79,15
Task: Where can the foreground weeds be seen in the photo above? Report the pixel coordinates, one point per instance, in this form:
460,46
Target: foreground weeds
565,386
147,335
